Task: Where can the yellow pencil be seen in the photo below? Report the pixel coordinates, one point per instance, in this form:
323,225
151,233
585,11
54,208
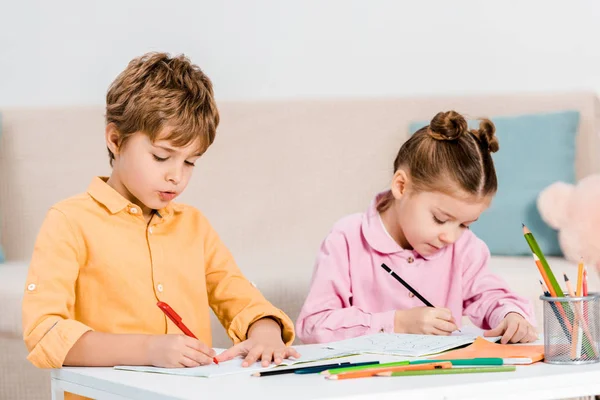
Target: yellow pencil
578,320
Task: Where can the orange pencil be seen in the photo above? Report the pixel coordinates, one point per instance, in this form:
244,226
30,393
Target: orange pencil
579,288
366,373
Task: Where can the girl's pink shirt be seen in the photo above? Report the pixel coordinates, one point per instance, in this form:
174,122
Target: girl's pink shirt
352,295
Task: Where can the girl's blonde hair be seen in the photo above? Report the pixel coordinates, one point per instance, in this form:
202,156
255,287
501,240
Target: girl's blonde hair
445,155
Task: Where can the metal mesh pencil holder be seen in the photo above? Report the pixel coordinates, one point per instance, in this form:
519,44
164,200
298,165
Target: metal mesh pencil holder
572,329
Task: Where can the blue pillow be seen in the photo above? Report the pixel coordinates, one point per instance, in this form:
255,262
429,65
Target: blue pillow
535,151
1,251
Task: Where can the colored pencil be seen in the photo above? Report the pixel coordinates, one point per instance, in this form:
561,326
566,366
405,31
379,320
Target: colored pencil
319,368
579,288
578,320
535,248
281,371
552,293
504,368
559,318
479,361
335,371
374,371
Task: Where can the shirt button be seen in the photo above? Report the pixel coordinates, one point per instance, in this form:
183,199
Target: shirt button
159,287
150,230
31,287
410,259
410,294
133,210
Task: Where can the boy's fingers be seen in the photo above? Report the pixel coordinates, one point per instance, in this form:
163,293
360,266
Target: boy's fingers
197,356
291,352
231,353
199,346
252,356
278,356
266,357
188,362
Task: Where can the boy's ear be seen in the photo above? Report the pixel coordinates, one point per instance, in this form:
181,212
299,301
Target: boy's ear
400,183
113,138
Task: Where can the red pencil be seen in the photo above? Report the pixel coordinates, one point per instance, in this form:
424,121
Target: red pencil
173,316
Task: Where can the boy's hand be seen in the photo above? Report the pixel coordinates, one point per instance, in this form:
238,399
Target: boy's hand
514,329
425,320
264,342
176,351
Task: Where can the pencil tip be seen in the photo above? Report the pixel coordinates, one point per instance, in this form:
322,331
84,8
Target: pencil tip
565,276
523,225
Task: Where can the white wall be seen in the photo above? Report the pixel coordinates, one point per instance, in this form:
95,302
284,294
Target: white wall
68,51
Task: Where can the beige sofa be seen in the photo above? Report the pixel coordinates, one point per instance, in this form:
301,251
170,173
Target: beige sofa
277,178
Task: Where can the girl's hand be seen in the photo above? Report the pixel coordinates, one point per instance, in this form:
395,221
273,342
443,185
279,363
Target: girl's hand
264,342
425,320
514,329
177,351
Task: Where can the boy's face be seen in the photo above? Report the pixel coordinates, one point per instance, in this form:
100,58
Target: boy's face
151,174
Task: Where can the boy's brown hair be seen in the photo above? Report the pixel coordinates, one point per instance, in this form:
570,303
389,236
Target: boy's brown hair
157,91
445,155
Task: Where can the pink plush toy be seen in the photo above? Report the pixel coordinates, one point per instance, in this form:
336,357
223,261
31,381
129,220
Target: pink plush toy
575,211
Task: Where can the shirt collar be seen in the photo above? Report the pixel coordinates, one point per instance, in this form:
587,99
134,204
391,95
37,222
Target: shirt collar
115,202
377,237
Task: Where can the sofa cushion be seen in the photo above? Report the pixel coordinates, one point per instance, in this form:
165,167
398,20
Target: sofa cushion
535,151
12,283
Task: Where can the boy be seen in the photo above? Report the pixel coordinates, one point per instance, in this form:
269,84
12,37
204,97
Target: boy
103,259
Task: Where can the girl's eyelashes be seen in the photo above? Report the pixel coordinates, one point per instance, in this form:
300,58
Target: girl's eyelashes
438,221
191,164
159,159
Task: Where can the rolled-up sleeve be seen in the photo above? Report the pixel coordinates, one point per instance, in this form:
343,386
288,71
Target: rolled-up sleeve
49,328
234,300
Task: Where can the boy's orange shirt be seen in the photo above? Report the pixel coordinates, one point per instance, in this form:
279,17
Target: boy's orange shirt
97,265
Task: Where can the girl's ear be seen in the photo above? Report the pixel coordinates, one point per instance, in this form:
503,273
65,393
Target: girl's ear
400,183
113,138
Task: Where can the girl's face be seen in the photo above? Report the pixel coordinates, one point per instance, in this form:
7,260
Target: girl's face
430,221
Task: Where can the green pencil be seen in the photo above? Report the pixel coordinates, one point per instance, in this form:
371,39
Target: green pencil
335,371
447,371
467,361
535,248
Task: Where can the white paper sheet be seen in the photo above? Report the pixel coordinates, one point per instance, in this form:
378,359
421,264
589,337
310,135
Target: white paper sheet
308,353
405,344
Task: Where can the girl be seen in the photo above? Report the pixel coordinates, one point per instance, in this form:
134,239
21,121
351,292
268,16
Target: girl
444,178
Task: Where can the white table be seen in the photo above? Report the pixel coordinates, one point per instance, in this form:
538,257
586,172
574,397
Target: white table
538,381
